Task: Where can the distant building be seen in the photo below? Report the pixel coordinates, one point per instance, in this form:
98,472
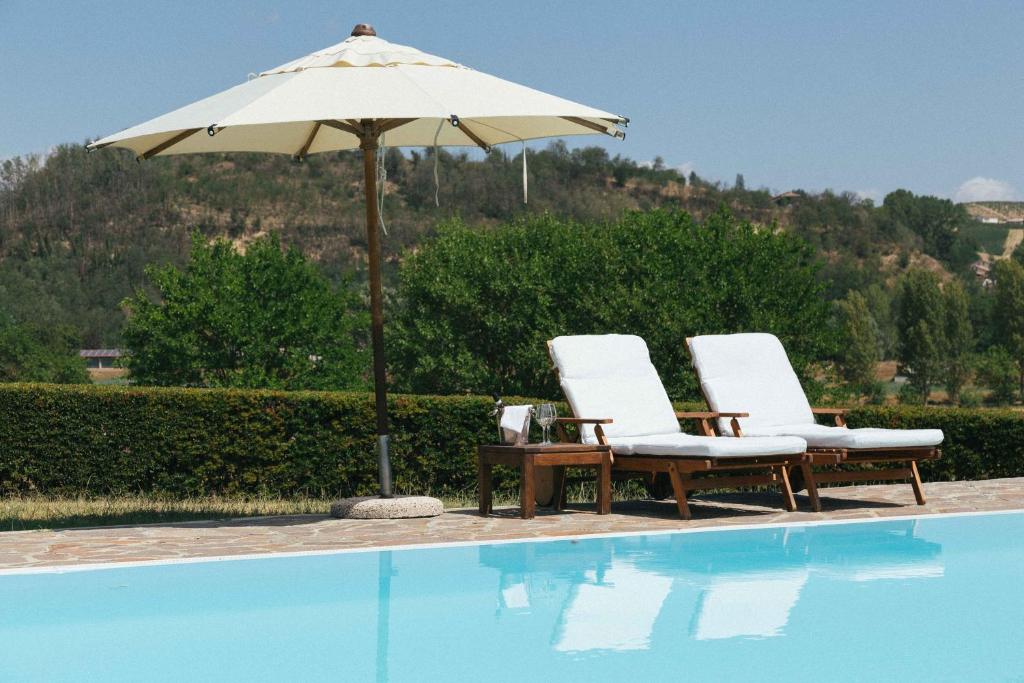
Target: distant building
100,359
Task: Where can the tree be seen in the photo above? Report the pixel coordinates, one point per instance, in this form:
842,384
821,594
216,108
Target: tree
959,339
938,222
265,318
31,353
1008,311
477,306
859,350
998,371
740,184
922,325
880,304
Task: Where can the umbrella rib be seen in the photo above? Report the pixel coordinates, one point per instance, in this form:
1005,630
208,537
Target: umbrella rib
309,141
593,126
170,142
342,126
474,137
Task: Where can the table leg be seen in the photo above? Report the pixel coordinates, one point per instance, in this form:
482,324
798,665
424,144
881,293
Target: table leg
484,484
558,499
527,495
604,485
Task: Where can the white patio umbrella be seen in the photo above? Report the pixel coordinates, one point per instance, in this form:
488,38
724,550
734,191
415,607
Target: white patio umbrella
348,96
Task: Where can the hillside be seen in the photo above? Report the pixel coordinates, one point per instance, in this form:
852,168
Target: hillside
996,212
77,231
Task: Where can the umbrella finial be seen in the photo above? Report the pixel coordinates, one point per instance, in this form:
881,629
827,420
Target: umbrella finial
363,30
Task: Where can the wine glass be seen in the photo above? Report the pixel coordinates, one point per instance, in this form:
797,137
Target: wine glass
545,417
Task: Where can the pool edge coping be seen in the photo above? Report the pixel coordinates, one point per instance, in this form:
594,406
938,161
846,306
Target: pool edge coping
100,566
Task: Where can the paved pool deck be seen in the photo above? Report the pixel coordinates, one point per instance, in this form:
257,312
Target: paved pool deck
224,538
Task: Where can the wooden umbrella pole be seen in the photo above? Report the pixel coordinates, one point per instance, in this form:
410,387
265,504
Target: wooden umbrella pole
368,143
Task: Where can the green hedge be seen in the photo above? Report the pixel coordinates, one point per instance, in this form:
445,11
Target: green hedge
87,440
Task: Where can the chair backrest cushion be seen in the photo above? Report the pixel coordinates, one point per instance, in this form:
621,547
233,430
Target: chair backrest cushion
749,373
611,376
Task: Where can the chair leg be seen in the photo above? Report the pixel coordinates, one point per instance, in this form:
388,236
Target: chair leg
680,492
812,486
915,481
788,501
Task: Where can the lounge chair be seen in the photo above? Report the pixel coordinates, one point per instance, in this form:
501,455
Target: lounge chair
752,372
618,399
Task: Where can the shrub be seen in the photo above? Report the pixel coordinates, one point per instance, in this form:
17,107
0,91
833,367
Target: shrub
476,307
95,440
92,440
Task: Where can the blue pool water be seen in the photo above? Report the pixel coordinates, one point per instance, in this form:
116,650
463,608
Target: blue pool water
924,599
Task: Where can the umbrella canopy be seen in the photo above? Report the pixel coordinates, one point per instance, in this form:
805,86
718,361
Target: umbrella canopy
348,96
309,105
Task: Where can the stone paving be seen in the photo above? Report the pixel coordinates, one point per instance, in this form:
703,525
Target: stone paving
26,549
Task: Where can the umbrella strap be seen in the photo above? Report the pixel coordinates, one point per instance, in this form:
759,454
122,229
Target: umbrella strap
524,173
437,157
382,178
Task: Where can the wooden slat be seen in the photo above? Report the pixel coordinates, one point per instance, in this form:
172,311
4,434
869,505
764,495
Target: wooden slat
571,459
169,143
522,449
731,482
635,464
708,414
756,460
826,456
857,455
863,475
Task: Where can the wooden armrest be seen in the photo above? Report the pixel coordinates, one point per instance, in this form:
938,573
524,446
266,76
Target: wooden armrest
584,420
839,414
704,419
708,415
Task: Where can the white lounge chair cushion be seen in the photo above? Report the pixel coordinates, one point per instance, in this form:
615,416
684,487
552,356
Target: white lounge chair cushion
749,373
611,376
823,436
706,446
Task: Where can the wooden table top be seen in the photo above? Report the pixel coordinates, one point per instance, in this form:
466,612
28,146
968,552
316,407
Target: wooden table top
536,448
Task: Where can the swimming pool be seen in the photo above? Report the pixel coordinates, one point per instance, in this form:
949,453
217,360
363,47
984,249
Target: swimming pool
931,598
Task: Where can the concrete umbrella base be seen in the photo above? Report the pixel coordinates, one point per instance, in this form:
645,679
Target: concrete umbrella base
375,507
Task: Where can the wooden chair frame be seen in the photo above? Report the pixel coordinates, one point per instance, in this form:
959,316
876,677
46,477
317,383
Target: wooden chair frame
768,470
902,461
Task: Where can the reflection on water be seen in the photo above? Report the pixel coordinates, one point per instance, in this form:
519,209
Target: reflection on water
611,594
748,605
616,613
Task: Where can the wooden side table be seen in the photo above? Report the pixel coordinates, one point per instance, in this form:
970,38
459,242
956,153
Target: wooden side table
528,457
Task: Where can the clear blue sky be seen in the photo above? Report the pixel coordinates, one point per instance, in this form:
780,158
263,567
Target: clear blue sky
863,96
